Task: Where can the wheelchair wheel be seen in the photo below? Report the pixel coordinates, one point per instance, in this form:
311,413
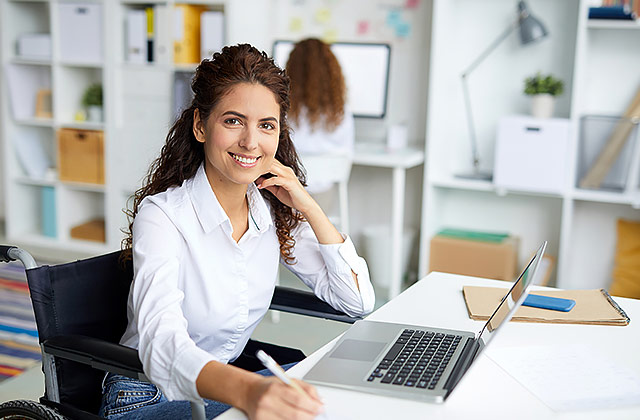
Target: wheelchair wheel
27,410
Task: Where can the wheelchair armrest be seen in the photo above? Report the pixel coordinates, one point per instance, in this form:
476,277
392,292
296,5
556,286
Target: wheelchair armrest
301,302
97,353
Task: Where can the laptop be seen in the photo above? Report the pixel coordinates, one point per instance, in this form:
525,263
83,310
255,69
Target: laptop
411,361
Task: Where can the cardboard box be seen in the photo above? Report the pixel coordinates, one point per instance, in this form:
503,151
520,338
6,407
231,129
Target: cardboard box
493,260
92,230
81,155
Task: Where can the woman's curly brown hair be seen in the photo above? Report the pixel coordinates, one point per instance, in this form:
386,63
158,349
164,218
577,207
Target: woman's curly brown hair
317,84
182,154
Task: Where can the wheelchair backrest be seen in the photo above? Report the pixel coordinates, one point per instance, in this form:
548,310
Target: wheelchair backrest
87,297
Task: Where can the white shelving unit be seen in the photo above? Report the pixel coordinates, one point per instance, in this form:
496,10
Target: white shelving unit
138,110
598,60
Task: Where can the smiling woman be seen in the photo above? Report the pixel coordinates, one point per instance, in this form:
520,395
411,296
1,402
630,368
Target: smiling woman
240,136
222,205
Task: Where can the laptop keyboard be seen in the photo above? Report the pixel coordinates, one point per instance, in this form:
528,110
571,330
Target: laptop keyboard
417,359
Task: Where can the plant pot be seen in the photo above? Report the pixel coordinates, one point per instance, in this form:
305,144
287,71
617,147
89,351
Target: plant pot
542,105
94,113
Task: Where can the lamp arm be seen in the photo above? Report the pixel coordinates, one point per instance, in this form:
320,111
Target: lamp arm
465,88
492,46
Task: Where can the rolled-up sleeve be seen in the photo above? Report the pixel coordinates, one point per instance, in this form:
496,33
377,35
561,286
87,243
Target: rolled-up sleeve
169,356
327,269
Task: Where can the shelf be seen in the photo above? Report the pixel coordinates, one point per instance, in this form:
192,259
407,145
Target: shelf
38,122
141,2
34,181
77,186
31,61
464,184
471,185
607,197
613,24
84,186
82,125
80,64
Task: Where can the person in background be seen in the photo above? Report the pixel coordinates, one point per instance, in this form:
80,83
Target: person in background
221,206
319,118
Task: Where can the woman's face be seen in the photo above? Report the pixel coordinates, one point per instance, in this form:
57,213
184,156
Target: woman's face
241,135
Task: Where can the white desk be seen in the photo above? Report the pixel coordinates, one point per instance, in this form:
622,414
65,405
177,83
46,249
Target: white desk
367,154
486,391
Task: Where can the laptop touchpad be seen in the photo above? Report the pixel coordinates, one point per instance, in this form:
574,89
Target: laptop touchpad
358,350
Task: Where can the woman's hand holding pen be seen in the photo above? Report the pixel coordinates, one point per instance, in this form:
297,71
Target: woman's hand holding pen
270,398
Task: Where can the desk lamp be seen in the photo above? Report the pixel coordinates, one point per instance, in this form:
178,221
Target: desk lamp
531,30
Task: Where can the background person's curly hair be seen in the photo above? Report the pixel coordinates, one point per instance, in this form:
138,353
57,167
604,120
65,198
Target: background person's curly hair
317,84
182,154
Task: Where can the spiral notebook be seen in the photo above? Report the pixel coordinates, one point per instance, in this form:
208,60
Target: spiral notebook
594,307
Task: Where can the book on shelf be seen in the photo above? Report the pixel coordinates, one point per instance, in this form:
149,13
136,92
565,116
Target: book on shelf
621,11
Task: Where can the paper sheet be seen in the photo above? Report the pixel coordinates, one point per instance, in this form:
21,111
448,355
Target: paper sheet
570,378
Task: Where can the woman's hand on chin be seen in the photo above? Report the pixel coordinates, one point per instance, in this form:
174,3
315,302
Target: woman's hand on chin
284,184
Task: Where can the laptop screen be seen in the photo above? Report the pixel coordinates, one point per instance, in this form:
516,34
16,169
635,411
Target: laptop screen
514,298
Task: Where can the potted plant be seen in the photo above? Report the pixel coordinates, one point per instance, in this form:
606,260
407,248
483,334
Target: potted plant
543,90
92,101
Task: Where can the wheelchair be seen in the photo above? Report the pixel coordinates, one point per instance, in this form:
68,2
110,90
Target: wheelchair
81,313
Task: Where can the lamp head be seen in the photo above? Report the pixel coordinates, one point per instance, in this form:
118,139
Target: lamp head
531,29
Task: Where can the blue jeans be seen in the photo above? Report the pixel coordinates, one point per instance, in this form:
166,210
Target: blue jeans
127,398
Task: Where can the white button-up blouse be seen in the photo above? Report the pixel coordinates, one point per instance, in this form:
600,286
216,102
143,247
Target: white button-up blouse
197,294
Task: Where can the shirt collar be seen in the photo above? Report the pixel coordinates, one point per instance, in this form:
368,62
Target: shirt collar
209,211
211,214
259,212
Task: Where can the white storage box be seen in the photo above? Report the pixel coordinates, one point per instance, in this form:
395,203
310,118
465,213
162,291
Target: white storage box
34,46
81,32
532,154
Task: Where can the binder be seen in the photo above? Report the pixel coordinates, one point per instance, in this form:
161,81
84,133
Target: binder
136,36
593,307
186,41
212,33
162,39
149,13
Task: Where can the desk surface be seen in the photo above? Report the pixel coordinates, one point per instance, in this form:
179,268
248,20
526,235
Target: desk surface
486,389
373,154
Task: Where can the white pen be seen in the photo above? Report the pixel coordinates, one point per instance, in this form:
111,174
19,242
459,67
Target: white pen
277,370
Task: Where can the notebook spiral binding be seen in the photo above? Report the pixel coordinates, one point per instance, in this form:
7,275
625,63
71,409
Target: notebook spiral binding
616,306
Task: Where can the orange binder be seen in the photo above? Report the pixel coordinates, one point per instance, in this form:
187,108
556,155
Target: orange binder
186,38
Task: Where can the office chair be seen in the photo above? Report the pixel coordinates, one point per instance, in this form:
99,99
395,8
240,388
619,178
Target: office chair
334,169
81,314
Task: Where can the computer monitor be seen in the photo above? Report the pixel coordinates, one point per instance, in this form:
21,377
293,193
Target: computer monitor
366,71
